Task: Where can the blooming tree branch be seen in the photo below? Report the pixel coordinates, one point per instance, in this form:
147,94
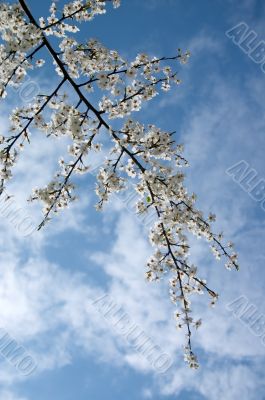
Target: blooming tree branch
146,154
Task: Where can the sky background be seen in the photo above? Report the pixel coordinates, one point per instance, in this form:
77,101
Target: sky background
48,280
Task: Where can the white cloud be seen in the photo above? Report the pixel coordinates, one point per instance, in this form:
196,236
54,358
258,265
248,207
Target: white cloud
7,395
225,381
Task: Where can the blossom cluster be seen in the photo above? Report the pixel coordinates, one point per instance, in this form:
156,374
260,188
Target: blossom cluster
151,157
127,84
79,10
18,38
145,154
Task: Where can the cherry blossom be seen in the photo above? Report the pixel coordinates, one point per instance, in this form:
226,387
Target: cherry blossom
145,154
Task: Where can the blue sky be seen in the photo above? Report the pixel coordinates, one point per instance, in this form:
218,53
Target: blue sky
49,280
